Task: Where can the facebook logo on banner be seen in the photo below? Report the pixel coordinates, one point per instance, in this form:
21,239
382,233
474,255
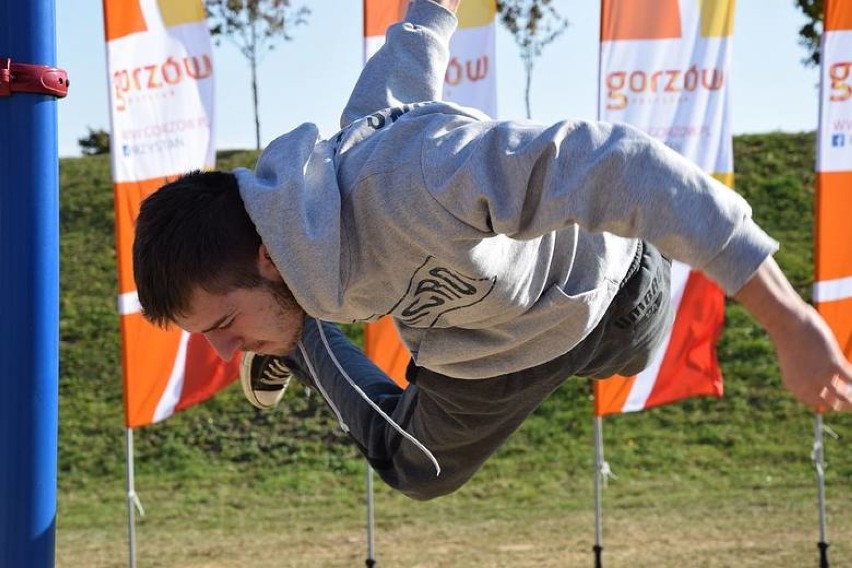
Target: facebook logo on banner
838,140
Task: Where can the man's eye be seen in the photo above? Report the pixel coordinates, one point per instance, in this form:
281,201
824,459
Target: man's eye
227,324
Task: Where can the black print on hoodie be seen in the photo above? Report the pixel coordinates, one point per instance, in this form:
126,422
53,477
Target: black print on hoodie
435,290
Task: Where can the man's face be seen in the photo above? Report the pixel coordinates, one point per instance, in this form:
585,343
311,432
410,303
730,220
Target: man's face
264,319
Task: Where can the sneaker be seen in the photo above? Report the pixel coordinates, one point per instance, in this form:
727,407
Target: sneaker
264,379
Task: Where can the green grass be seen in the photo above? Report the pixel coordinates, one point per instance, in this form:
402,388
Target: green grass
736,470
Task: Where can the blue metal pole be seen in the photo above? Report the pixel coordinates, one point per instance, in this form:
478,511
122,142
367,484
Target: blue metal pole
29,295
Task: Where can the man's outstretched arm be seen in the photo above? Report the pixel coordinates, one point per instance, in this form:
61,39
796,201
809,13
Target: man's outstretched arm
524,181
812,365
410,66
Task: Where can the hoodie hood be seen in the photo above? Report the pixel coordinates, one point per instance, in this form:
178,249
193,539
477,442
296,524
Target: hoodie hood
293,199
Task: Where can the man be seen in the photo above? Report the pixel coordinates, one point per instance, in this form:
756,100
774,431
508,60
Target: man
510,255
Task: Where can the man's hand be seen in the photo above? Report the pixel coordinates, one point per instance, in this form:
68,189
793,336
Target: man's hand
451,5
812,364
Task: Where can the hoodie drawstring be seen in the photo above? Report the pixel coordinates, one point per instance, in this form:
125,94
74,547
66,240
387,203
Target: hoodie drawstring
363,395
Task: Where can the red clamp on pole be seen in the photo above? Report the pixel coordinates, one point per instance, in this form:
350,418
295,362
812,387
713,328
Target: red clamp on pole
26,78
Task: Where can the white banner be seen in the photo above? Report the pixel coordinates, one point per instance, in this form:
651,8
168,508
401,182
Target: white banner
835,141
675,88
162,101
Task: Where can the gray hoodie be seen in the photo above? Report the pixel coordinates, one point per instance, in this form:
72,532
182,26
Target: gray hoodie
494,245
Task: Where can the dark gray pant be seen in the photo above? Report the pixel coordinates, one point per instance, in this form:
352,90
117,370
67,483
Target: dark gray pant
464,421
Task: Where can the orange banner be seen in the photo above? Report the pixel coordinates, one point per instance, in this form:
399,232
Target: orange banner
664,69
161,93
832,292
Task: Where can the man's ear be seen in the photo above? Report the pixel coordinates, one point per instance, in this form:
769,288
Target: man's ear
265,266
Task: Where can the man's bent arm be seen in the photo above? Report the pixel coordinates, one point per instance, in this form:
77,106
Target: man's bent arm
410,66
812,364
523,180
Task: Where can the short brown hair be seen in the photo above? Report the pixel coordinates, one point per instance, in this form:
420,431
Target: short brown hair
192,232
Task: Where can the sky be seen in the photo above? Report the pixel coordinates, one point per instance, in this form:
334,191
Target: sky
309,79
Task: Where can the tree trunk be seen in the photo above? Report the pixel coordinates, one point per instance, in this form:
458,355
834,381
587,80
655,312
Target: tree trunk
528,67
253,63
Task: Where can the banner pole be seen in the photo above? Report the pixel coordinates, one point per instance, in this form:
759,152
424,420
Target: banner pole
133,502
819,465
371,540
131,493
599,473
29,290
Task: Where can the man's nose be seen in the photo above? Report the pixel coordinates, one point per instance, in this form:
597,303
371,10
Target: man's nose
225,344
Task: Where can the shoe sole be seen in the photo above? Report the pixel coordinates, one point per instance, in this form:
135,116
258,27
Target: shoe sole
245,381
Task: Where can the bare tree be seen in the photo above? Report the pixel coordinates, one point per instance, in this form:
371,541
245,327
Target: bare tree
810,35
534,24
254,26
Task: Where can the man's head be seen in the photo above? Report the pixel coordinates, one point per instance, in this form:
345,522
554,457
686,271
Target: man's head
199,262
